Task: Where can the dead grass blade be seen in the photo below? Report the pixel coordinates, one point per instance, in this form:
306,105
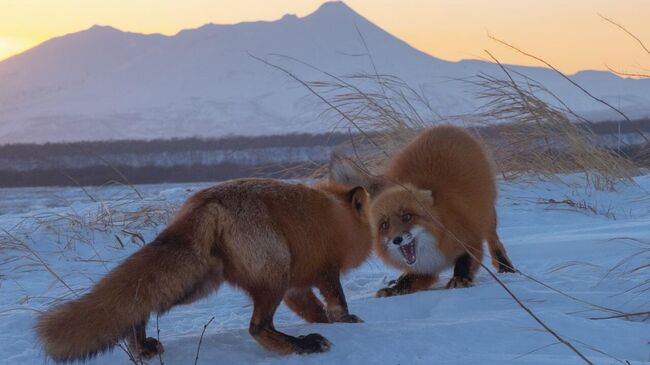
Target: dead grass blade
619,26
535,138
33,253
198,349
624,315
585,91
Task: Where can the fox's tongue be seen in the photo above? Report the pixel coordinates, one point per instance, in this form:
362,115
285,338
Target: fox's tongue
408,251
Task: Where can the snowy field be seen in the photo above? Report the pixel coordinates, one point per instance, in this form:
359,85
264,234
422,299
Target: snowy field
588,251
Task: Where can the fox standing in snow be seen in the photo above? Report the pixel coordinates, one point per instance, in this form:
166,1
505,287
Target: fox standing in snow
274,240
434,204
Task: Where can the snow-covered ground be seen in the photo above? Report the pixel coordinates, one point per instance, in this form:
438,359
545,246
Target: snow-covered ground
588,253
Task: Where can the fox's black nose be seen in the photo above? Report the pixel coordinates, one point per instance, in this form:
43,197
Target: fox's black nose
397,240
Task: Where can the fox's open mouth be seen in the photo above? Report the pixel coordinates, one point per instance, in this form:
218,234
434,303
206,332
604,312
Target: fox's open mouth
408,251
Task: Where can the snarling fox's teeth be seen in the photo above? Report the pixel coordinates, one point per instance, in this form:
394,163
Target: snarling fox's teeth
408,251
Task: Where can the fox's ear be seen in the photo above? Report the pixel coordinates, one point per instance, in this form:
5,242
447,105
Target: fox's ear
344,170
358,197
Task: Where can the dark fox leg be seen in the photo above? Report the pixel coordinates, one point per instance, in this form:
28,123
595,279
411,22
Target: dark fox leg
140,346
305,304
337,307
265,303
408,283
465,269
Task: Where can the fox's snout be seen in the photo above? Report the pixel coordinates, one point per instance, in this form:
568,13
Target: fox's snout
405,237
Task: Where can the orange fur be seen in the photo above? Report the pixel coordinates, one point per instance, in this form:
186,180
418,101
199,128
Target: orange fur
443,182
275,240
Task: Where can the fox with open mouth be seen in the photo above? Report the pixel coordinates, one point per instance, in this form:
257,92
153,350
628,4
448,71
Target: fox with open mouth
432,209
406,233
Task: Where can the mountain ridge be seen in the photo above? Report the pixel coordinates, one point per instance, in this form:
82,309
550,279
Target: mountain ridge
104,83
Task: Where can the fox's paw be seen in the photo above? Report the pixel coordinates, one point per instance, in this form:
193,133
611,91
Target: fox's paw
349,318
459,282
149,348
387,292
312,343
506,268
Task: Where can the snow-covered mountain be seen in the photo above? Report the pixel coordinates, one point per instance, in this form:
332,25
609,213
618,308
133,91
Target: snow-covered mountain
102,83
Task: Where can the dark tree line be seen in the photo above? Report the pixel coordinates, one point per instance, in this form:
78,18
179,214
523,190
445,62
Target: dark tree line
32,150
99,175
102,172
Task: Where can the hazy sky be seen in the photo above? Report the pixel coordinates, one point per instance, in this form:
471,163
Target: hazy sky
568,33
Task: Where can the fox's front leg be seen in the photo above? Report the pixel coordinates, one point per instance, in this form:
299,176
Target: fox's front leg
408,283
465,269
337,307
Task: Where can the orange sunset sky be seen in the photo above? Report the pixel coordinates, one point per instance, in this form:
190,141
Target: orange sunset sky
567,33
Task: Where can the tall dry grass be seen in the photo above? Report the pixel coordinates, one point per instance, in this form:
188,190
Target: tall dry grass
527,136
532,137
642,156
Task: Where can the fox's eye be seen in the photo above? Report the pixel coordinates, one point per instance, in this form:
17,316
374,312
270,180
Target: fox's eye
384,225
406,217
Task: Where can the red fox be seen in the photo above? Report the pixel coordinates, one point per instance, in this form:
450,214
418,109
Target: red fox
434,203
274,240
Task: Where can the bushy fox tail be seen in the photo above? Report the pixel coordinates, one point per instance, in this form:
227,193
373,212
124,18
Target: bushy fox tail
173,269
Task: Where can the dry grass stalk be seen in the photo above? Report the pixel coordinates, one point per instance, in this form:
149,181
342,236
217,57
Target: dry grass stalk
636,39
528,136
198,348
538,140
568,79
643,156
535,138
